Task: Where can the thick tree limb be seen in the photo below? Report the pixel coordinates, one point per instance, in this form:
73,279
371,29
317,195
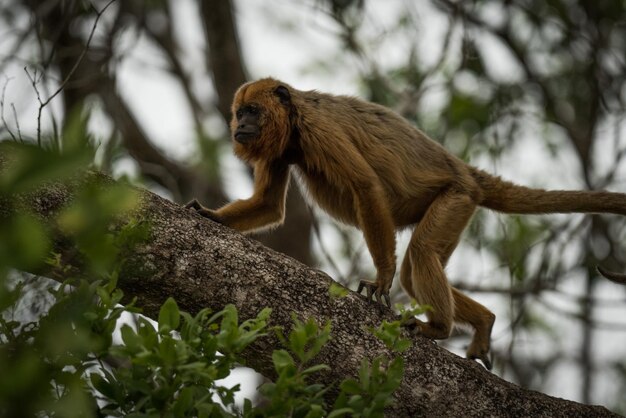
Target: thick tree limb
203,264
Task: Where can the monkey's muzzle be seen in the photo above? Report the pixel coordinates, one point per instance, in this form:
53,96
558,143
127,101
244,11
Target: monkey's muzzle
243,136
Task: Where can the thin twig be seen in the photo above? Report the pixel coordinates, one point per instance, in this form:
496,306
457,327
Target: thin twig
34,81
17,123
4,122
82,54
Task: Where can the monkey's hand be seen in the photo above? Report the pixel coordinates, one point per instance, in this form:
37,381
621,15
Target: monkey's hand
375,292
201,210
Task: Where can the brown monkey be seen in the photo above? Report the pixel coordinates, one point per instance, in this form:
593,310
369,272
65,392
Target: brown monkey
367,166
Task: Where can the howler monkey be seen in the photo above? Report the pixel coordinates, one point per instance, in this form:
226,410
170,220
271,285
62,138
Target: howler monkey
367,166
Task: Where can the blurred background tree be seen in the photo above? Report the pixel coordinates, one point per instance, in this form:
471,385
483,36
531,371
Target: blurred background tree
531,90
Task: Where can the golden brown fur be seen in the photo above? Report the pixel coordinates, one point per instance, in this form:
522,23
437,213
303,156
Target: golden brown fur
370,168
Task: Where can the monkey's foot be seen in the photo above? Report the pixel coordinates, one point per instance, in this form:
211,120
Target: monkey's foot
480,347
482,355
414,325
193,204
374,292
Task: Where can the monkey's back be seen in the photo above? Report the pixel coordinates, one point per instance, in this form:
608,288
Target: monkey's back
411,168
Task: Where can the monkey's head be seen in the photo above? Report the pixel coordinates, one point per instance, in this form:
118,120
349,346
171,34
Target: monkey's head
261,123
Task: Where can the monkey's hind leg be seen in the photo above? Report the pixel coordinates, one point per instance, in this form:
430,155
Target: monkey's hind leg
431,244
422,275
468,311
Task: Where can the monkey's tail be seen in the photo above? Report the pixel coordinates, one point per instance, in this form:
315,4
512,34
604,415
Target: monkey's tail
504,196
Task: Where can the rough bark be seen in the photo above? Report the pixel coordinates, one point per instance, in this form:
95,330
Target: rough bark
204,264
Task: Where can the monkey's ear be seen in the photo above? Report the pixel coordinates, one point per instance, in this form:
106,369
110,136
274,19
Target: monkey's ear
283,94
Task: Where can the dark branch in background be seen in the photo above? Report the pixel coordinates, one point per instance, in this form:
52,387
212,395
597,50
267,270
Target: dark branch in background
173,176
5,125
223,51
615,277
581,136
17,122
207,265
22,39
89,78
166,40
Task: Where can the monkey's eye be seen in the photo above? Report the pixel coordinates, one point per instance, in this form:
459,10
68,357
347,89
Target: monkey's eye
249,110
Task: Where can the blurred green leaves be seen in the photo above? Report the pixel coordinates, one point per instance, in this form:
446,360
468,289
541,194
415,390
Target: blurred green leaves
75,359
24,241
174,370
24,168
295,393
44,360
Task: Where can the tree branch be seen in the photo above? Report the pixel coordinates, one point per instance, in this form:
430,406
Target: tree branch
204,264
224,54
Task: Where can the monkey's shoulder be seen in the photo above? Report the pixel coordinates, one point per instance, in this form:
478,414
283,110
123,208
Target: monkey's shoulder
339,105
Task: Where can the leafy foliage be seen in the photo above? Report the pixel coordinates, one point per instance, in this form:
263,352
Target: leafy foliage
76,358
169,373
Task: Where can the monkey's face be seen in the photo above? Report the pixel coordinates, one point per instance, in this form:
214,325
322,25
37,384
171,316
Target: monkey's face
248,128
261,125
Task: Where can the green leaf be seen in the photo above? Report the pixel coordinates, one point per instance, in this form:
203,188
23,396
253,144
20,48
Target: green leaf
297,341
247,407
350,386
316,368
130,338
169,316
402,345
102,386
25,243
357,402
183,403
230,319
364,372
31,166
340,412
282,359
395,371
146,331
337,291
315,411
167,351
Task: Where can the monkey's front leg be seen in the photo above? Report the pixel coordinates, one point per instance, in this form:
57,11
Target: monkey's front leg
244,215
266,207
378,229
376,292
201,210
